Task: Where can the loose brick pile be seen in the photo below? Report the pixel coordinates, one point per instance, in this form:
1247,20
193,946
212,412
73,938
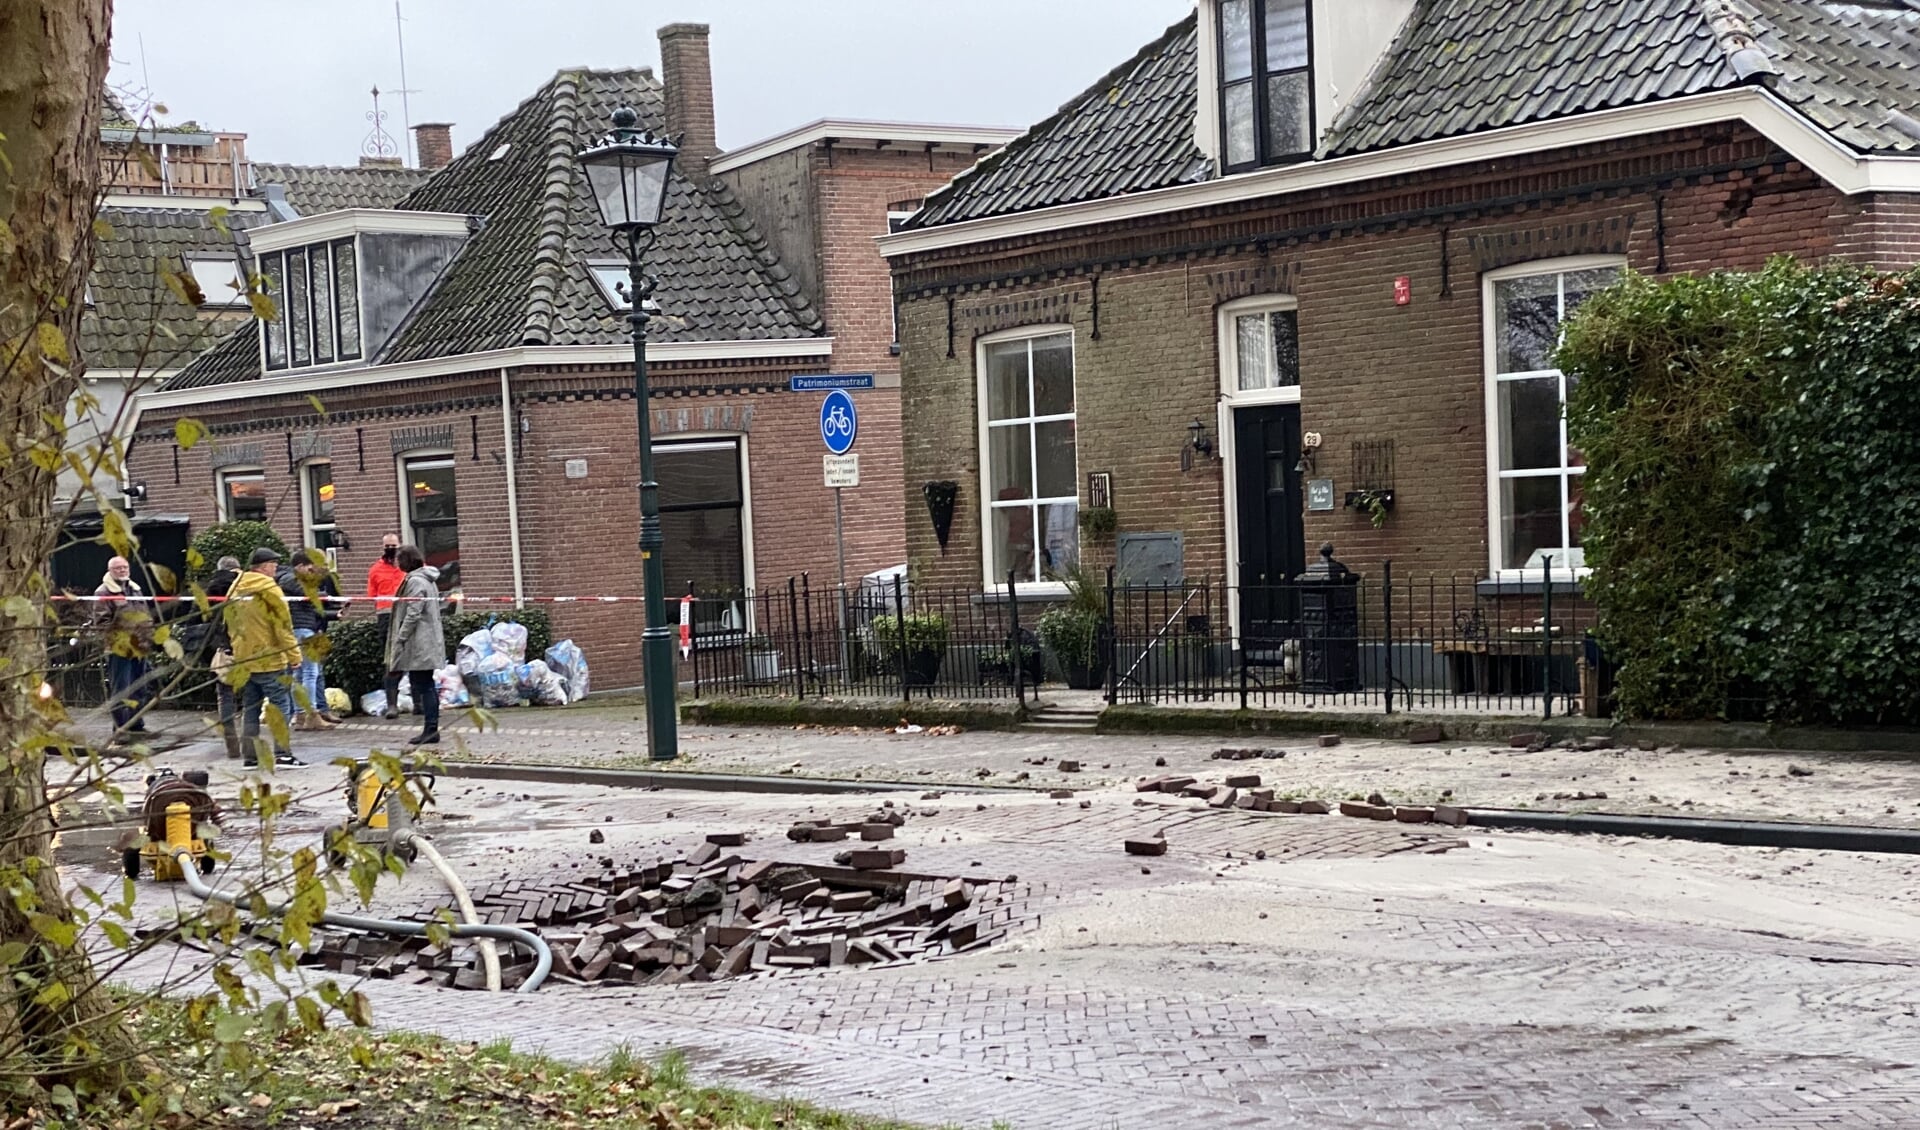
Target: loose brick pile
1241,791
706,917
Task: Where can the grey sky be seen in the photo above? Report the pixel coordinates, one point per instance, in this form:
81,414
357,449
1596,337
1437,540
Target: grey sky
294,75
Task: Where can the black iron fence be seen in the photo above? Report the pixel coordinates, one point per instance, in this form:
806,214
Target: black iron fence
1385,643
878,640
1412,643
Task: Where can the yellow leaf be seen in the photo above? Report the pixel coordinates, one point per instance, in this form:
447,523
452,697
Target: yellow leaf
102,229
263,307
188,431
53,343
217,216
117,532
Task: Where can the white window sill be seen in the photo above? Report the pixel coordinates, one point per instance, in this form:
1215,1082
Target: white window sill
1038,592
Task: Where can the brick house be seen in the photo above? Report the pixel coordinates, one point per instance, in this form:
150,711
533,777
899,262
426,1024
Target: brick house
1332,242
456,367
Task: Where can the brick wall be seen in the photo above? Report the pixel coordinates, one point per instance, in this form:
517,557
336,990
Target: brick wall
579,537
1371,370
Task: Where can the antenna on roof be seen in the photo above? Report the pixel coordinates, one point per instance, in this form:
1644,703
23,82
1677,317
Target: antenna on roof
406,110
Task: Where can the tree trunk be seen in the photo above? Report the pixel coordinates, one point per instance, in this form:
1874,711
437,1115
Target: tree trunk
53,69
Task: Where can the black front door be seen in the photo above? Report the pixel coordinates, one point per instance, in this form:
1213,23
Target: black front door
1272,550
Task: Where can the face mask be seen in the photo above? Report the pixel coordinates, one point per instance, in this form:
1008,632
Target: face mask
387,552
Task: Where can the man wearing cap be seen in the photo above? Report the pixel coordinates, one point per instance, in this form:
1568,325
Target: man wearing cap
265,652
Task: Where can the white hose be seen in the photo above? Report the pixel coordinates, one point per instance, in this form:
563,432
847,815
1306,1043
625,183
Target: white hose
489,954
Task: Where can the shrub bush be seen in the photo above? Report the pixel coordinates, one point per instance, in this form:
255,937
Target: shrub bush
926,633
234,539
356,657
1752,496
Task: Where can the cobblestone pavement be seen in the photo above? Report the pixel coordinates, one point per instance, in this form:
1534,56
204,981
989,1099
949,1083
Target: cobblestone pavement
1361,974
1848,789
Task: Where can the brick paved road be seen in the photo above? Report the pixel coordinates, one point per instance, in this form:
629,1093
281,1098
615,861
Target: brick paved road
1351,978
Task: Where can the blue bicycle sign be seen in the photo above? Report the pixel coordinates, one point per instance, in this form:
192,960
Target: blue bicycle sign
839,422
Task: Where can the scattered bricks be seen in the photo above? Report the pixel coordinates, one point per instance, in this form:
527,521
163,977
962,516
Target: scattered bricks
737,959
895,818
1413,814
1224,798
752,873
800,833
1287,806
1202,792
955,894
1365,811
848,901
1061,794
1155,846
726,839
1314,808
1251,802
1595,744
1069,767
827,835
1382,812
1798,771
877,859
593,970
798,889
596,837
1260,794
1273,754
1152,784
1450,814
1327,740
1426,734
704,854
872,833
821,896
1244,781
1525,740
729,936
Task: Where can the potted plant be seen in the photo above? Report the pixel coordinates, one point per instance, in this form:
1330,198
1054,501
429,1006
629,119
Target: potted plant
925,637
1075,632
998,662
763,660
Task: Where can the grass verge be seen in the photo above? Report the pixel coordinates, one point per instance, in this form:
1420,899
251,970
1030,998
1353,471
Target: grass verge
354,1079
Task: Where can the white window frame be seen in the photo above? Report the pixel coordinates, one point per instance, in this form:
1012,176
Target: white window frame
696,439
403,486
988,567
235,282
1493,378
221,498
895,219
1232,396
310,524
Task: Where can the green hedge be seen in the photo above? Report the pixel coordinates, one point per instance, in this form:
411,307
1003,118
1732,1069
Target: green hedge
357,654
1752,495
230,539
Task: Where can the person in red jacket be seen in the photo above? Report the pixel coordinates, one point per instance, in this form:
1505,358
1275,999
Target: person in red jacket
383,581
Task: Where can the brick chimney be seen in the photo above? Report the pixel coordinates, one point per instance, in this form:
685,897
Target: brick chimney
433,141
688,77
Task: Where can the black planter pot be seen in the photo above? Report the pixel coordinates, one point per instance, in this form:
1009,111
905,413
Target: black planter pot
1091,677
923,667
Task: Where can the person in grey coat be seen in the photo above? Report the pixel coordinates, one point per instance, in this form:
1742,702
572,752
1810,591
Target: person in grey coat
415,643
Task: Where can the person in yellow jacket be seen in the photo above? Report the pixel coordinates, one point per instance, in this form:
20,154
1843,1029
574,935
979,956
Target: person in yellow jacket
265,652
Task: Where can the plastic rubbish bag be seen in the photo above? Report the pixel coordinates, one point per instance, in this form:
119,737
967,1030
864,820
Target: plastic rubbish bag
529,676
498,687
373,703
510,640
403,702
551,691
339,701
566,660
473,648
451,686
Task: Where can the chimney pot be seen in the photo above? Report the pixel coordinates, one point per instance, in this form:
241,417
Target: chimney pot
687,74
434,143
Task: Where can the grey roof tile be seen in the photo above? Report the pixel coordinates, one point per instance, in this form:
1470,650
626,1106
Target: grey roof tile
1464,66
313,189
136,320
523,279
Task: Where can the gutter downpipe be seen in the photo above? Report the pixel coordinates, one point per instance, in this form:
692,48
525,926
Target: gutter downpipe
511,439
542,955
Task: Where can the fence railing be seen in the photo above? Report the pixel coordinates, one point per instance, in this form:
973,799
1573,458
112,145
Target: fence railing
1416,643
891,640
1374,643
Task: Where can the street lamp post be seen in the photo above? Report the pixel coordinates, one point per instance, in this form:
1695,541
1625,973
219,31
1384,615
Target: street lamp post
628,174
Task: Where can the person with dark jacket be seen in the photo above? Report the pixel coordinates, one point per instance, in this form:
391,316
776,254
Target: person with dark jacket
416,643
125,613
306,587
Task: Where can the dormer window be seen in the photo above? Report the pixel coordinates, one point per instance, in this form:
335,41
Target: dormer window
1266,82
315,288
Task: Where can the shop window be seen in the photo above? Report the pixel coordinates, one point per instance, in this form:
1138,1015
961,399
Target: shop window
1266,82
703,520
1534,473
317,487
1029,459
243,495
433,513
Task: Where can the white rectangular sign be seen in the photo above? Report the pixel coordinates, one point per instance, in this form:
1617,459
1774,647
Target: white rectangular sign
842,470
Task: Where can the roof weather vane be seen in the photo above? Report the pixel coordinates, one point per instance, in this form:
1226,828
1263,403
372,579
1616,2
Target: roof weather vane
378,142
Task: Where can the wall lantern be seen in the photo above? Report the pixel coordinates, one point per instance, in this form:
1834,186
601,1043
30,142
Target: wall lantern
1198,442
